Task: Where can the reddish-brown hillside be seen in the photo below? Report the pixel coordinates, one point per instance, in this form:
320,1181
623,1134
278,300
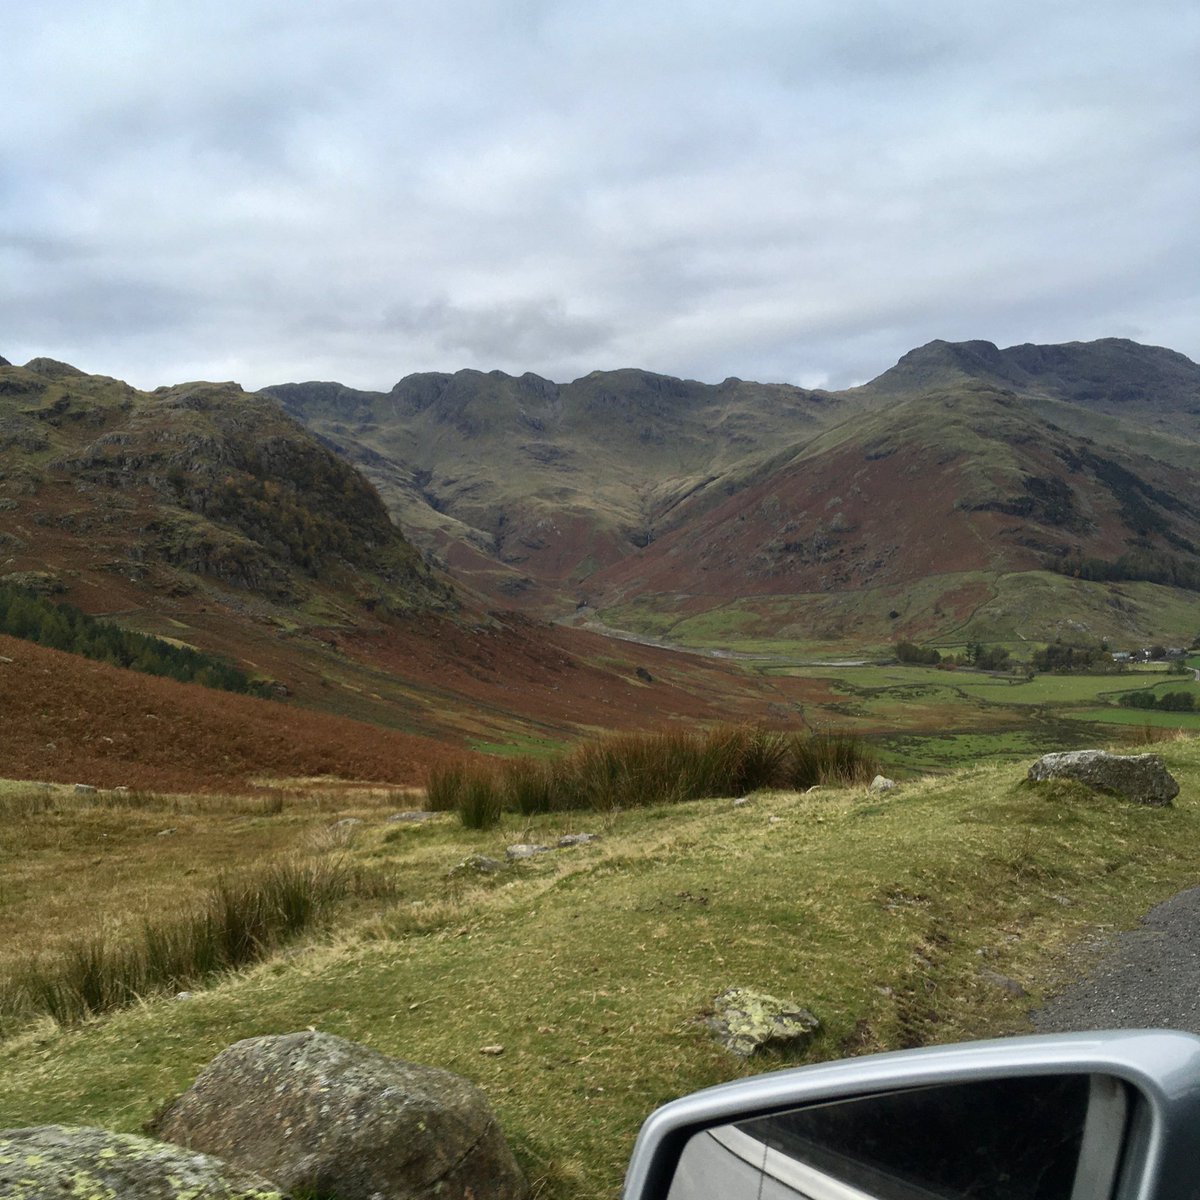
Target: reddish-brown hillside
66,719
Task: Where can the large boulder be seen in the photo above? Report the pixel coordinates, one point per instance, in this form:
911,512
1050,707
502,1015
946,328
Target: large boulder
60,1162
325,1116
1143,778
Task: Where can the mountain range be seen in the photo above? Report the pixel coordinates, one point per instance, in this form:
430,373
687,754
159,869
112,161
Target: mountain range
443,558
932,493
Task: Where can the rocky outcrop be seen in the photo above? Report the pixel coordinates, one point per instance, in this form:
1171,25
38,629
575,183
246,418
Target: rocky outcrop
73,1163
745,1022
1142,778
325,1116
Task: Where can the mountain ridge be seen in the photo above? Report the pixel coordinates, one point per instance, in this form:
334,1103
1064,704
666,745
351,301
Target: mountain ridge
630,495
551,495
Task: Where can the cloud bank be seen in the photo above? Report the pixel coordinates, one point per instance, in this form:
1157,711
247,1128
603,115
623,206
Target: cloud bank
356,190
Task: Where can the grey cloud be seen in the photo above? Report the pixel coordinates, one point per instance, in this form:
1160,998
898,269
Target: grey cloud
507,334
765,190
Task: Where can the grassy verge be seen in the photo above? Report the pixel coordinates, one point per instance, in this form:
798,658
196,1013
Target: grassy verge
593,966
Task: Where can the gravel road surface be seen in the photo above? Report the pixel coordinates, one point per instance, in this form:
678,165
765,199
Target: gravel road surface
1150,979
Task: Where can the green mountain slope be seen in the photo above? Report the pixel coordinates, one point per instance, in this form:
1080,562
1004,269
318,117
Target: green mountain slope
908,518
526,486
648,495
1149,385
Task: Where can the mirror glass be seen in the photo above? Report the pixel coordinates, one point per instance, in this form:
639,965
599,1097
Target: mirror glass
1026,1138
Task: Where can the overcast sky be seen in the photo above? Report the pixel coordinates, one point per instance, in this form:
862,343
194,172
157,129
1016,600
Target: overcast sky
796,190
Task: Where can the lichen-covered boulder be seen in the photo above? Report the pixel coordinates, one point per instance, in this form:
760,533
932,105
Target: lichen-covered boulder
325,1116
1143,778
745,1022
63,1162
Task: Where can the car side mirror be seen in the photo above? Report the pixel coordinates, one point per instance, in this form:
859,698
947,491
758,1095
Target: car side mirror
1092,1116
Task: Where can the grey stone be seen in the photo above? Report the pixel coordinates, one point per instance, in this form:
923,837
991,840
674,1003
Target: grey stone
477,864
525,850
84,789
76,1163
745,1022
881,783
577,839
325,1116
1004,982
414,815
1142,778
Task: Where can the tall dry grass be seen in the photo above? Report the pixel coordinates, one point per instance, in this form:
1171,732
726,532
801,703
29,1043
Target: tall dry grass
240,921
635,770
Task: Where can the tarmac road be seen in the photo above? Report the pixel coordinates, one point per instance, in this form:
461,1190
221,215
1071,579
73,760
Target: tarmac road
1149,980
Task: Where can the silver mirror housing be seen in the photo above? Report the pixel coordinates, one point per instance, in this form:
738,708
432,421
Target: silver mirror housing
1137,1133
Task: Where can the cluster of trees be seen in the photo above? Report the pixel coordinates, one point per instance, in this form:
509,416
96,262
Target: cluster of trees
1167,702
1059,658
910,652
1063,658
985,658
1150,566
24,614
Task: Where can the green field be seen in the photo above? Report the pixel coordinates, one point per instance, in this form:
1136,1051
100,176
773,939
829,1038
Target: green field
1141,717
1017,610
928,718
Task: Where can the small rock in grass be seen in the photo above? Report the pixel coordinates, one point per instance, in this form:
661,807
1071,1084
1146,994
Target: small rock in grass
577,839
745,1021
525,850
881,783
1003,982
84,789
492,1050
741,800
477,864
415,815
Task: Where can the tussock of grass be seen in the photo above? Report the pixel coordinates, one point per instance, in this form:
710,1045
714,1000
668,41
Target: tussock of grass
239,922
20,800
637,770
1149,735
